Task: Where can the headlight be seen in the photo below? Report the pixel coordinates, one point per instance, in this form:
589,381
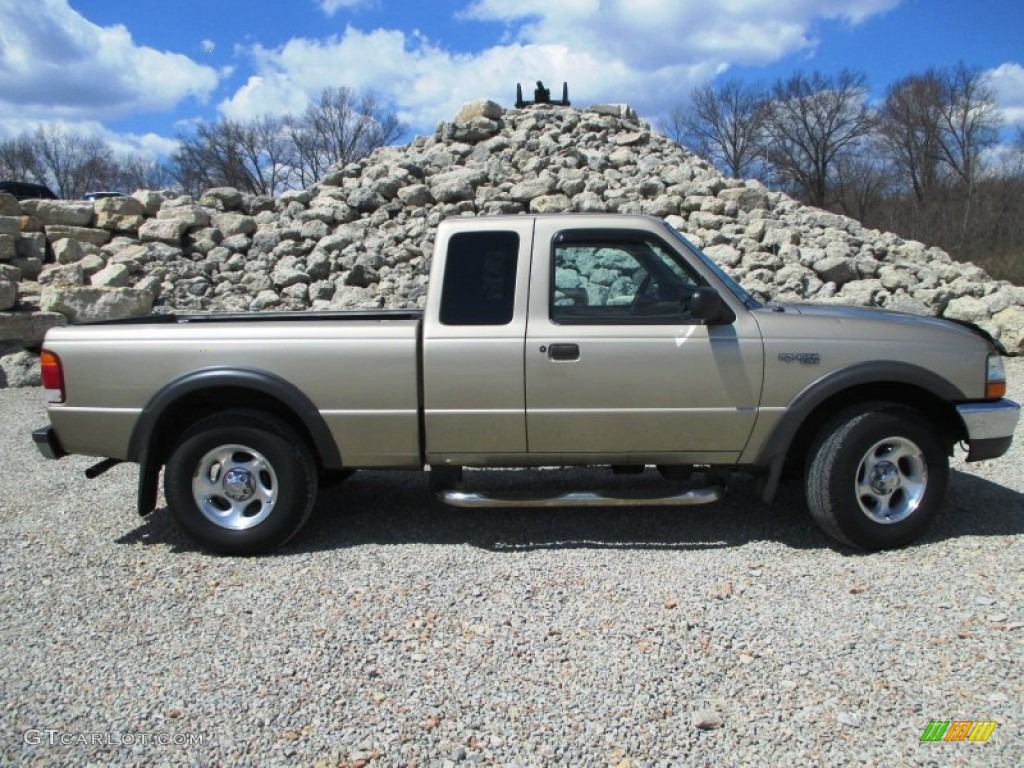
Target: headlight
995,377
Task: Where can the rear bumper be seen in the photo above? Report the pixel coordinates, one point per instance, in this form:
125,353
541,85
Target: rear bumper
47,443
990,427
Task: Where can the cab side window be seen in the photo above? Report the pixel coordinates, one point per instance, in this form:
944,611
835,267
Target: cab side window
480,278
615,279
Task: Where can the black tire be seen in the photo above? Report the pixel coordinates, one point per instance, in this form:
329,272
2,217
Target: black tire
260,482
876,476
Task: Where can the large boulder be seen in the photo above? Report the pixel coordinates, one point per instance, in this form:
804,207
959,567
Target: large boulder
75,213
119,206
81,234
476,109
19,368
87,304
28,328
1011,329
163,230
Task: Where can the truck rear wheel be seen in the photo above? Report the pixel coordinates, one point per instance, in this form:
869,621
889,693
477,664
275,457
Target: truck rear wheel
876,476
241,482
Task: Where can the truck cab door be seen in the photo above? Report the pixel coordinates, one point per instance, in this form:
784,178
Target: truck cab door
617,367
474,398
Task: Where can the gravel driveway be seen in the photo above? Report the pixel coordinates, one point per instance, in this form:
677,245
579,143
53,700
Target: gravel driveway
394,631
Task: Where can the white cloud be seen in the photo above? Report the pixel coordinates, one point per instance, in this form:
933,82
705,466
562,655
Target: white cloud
56,64
206,45
331,7
650,53
150,145
1008,82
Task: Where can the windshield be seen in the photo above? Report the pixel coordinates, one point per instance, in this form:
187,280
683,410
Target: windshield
738,290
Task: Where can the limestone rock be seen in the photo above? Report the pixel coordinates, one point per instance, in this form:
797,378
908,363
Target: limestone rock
86,304
67,251
119,206
111,276
75,213
231,224
1011,329
967,308
19,368
28,328
194,216
81,234
150,200
836,269
62,274
163,230
222,198
10,225
482,108
116,222
550,204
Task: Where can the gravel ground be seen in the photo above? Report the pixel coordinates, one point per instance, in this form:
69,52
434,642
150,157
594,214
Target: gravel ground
394,631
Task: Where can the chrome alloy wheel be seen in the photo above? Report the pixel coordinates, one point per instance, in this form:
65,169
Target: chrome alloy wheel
891,480
234,487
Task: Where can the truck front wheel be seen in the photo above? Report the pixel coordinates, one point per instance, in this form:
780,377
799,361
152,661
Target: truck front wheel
876,476
241,482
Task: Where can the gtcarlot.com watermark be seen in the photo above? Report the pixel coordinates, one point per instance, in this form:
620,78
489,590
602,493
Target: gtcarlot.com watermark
53,738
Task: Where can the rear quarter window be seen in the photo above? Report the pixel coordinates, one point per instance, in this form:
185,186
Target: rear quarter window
480,278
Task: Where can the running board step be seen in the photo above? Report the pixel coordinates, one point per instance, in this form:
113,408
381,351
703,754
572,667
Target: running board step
477,500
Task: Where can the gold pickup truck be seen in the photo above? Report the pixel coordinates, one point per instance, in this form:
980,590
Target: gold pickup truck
546,341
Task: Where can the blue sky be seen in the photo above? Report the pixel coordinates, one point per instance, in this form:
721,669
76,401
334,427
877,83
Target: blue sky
139,72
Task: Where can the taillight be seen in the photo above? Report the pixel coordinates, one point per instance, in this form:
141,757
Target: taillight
53,377
995,377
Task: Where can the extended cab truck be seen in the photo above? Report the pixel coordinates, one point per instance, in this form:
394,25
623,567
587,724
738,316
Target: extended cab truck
546,340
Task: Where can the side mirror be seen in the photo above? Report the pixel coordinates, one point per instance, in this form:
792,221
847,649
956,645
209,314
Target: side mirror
707,307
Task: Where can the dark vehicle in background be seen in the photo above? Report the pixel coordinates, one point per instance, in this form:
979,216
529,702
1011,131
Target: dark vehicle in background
24,190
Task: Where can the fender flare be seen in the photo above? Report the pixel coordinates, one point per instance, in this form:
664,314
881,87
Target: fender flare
263,382
773,451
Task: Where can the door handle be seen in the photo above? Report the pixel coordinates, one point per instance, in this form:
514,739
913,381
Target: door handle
564,352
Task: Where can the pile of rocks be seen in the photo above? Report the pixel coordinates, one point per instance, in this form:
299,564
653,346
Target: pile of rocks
362,237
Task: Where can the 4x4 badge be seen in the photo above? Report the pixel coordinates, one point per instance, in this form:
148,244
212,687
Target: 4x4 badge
804,358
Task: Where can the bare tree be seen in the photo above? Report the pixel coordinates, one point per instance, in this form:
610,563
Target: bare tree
340,128
269,154
910,131
18,160
250,156
969,121
722,123
139,172
863,182
809,123
73,161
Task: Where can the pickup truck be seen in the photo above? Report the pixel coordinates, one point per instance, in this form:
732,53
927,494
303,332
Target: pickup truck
553,340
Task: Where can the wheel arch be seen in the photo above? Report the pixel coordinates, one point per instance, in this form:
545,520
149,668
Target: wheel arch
892,382
201,393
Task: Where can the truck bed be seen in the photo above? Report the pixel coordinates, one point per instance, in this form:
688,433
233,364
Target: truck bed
360,369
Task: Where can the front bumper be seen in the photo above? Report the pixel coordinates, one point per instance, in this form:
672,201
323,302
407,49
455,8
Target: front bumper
989,426
47,443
